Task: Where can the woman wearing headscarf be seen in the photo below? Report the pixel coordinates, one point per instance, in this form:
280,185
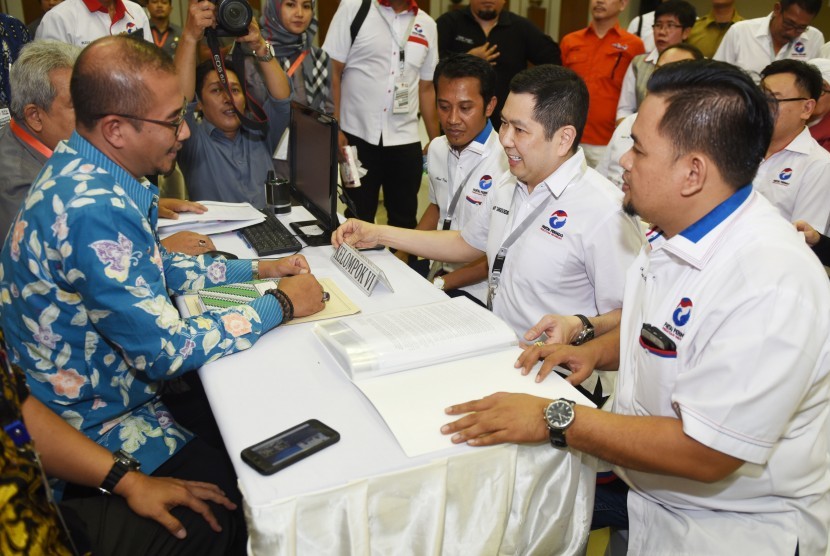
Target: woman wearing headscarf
290,26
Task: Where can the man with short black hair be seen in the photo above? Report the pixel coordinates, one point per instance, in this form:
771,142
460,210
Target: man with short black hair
505,39
720,419
224,160
462,165
553,230
795,173
785,33
165,35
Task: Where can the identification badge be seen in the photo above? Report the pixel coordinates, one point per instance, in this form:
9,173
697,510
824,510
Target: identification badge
401,102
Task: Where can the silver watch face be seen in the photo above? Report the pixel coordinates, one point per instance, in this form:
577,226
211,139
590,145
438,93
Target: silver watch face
559,414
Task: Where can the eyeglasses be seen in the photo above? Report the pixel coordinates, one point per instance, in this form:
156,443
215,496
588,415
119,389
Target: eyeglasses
780,100
666,26
825,91
793,26
176,124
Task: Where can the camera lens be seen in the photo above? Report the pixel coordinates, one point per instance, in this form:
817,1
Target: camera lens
235,15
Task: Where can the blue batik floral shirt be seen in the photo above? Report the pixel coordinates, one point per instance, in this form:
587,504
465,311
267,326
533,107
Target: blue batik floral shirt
85,289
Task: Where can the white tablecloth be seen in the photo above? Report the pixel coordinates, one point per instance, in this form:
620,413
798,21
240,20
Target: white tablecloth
363,495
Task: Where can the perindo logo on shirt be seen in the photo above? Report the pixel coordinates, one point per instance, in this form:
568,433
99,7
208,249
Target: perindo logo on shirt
680,318
784,177
799,48
417,35
131,28
556,222
619,46
479,193
462,38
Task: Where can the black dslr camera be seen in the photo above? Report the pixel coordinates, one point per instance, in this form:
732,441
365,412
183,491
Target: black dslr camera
232,17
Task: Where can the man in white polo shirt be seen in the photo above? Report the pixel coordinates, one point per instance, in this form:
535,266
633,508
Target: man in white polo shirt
720,419
795,174
380,79
785,33
556,238
80,22
462,165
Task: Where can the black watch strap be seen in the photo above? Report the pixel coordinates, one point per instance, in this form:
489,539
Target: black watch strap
587,332
557,438
123,463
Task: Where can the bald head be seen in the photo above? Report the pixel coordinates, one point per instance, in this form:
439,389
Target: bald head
113,75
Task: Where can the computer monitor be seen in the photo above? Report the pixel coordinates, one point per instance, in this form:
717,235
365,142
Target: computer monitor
312,154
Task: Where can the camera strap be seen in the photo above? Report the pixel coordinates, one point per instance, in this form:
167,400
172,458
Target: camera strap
260,119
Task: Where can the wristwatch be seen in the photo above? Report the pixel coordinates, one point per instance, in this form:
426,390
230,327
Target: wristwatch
587,331
124,462
255,269
438,282
269,53
559,415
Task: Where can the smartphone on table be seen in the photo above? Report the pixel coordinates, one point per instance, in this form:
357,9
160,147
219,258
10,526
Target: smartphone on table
289,446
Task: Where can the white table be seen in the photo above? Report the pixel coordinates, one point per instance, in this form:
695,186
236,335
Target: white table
363,495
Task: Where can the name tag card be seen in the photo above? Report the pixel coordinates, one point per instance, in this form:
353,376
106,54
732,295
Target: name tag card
363,272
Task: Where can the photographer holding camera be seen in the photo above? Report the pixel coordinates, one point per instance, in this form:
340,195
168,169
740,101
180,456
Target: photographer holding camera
224,160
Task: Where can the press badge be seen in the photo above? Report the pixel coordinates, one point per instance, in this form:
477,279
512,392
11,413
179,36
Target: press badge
401,103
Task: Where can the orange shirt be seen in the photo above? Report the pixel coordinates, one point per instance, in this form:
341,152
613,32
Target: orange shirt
601,62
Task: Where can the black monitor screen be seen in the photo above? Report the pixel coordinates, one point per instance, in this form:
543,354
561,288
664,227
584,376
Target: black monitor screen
312,151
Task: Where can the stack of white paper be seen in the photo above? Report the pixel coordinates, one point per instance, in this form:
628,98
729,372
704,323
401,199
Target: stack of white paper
219,218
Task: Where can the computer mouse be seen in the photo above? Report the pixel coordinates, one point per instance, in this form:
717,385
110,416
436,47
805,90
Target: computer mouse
225,254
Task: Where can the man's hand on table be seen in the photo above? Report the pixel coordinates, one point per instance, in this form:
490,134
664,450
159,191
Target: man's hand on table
305,292
169,208
189,243
357,233
287,266
499,418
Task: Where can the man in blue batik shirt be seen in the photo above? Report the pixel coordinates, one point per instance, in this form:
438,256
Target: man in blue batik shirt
85,284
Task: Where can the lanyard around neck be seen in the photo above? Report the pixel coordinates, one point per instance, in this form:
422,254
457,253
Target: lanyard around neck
501,256
29,139
401,42
457,195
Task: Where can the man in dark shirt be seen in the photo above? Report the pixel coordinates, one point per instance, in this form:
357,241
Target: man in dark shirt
506,40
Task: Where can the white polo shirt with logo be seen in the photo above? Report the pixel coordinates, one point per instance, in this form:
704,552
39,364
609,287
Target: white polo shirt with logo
372,68
745,302
796,180
748,45
79,23
485,158
569,260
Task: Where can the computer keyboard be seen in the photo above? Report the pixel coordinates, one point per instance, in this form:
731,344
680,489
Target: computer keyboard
270,237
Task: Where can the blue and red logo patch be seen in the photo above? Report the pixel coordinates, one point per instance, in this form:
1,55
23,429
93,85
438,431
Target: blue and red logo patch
683,312
558,219
485,182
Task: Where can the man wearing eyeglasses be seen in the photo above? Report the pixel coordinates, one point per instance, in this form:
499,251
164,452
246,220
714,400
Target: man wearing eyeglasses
795,174
85,287
673,21
785,33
